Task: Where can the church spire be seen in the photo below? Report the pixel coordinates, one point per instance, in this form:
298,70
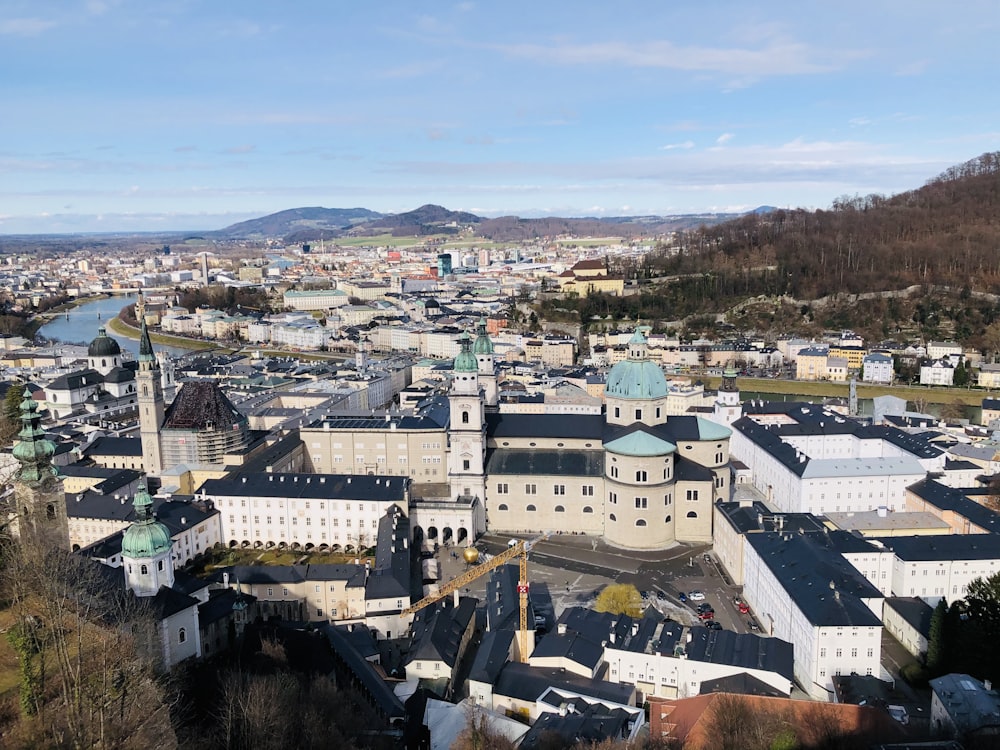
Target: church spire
145,345
33,450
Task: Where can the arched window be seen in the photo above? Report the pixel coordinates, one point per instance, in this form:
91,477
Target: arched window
640,522
560,509
502,506
692,514
144,570
104,363
182,635
465,417
159,564
531,508
667,519
587,509
612,517
640,475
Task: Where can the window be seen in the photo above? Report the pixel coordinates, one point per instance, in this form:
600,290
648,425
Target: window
668,499
822,653
692,514
159,564
839,653
270,591
657,412
667,519
613,498
319,612
612,517
559,489
618,412
465,464
641,502
465,417
854,653
503,488
559,509
502,506
614,472
530,489
718,458
587,490
587,509
182,635
638,414
640,475
531,508
692,496
144,569
640,522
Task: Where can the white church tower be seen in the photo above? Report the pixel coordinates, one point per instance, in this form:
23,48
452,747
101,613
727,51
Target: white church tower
467,431
727,404
146,546
150,398
486,364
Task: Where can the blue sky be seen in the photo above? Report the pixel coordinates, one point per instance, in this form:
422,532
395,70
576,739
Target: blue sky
194,114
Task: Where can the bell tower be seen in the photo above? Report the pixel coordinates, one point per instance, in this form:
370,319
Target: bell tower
467,426
39,513
727,404
150,398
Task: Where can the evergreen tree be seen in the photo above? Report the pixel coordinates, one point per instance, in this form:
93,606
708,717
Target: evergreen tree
936,640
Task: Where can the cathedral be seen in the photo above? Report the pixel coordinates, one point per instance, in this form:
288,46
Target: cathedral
632,475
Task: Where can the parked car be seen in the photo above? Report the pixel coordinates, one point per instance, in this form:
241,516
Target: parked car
683,597
754,627
704,606
744,608
706,557
708,614
696,596
713,625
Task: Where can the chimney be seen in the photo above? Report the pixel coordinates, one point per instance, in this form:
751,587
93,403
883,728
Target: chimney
225,580
562,628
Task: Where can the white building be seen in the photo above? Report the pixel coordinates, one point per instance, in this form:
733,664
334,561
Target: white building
877,368
938,372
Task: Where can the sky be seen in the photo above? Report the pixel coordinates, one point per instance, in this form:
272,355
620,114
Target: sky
149,115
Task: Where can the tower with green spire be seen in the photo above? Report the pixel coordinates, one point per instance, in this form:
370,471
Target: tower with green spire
146,546
40,504
467,433
150,398
482,349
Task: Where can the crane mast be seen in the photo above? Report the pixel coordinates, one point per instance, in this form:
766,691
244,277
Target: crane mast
519,551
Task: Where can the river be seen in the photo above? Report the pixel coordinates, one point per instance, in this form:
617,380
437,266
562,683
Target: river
79,325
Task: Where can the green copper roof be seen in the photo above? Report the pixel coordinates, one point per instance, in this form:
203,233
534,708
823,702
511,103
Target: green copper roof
483,344
636,379
709,430
640,443
33,450
145,345
146,537
466,360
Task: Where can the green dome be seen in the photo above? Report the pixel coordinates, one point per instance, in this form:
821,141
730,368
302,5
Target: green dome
146,537
483,345
103,345
634,379
466,360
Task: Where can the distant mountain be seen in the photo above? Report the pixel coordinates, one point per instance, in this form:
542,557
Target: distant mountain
312,224
324,222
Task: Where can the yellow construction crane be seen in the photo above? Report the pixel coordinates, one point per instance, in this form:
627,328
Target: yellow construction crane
517,549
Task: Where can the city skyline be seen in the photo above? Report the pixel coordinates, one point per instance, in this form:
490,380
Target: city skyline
190,115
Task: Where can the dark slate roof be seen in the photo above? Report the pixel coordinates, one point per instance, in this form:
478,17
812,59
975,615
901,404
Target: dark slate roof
378,690
572,646
670,637
258,574
914,610
493,654
528,683
503,610
579,426
318,486
947,498
591,725
175,514
757,517
120,375
76,380
115,446
617,631
390,578
219,606
169,602
740,650
992,404
740,684
433,414
201,405
438,630
944,547
272,454
686,470
806,568
549,462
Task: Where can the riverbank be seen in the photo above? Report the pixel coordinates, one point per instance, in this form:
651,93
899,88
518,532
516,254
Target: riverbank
40,319
121,328
824,389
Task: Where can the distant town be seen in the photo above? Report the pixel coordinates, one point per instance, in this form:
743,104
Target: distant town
378,468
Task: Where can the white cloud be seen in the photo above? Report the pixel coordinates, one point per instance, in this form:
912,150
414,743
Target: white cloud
25,26
672,146
724,139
